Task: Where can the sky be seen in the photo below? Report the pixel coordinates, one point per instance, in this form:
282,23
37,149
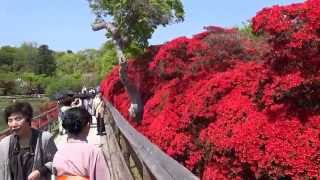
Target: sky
65,24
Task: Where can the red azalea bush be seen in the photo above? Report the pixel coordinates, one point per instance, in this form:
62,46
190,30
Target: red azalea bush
294,32
231,107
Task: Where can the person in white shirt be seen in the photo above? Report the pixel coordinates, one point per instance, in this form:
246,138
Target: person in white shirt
98,107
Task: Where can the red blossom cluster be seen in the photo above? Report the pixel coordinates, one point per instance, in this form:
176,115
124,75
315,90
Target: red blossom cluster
231,107
294,32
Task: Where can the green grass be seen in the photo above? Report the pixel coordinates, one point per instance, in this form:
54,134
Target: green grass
4,102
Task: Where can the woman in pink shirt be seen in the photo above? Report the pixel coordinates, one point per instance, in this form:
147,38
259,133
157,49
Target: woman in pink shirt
77,157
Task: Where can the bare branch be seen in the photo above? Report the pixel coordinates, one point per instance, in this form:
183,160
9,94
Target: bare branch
101,24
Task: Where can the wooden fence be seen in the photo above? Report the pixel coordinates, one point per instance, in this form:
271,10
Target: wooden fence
145,160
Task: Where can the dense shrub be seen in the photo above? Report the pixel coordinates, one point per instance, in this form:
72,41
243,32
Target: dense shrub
294,33
228,106
66,82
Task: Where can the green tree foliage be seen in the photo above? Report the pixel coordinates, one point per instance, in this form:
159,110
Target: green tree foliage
136,20
7,83
27,55
31,69
106,60
65,82
45,63
81,62
84,63
33,83
7,57
246,29
66,63
133,23
88,57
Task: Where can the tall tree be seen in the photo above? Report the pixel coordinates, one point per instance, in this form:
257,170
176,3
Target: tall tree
8,56
106,59
133,22
46,63
27,56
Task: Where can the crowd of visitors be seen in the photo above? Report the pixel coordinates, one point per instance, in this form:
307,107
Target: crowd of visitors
31,154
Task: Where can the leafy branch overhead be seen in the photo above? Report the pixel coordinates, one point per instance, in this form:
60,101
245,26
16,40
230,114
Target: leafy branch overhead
130,23
134,21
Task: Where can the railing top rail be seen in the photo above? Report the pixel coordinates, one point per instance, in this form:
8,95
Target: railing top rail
44,113
23,96
160,164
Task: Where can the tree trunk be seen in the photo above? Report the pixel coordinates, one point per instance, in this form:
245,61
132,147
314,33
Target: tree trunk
136,106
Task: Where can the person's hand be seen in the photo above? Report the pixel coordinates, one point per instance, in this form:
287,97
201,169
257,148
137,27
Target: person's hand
76,103
34,175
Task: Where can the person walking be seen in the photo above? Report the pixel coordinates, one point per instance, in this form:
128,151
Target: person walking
64,103
77,158
98,113
26,153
